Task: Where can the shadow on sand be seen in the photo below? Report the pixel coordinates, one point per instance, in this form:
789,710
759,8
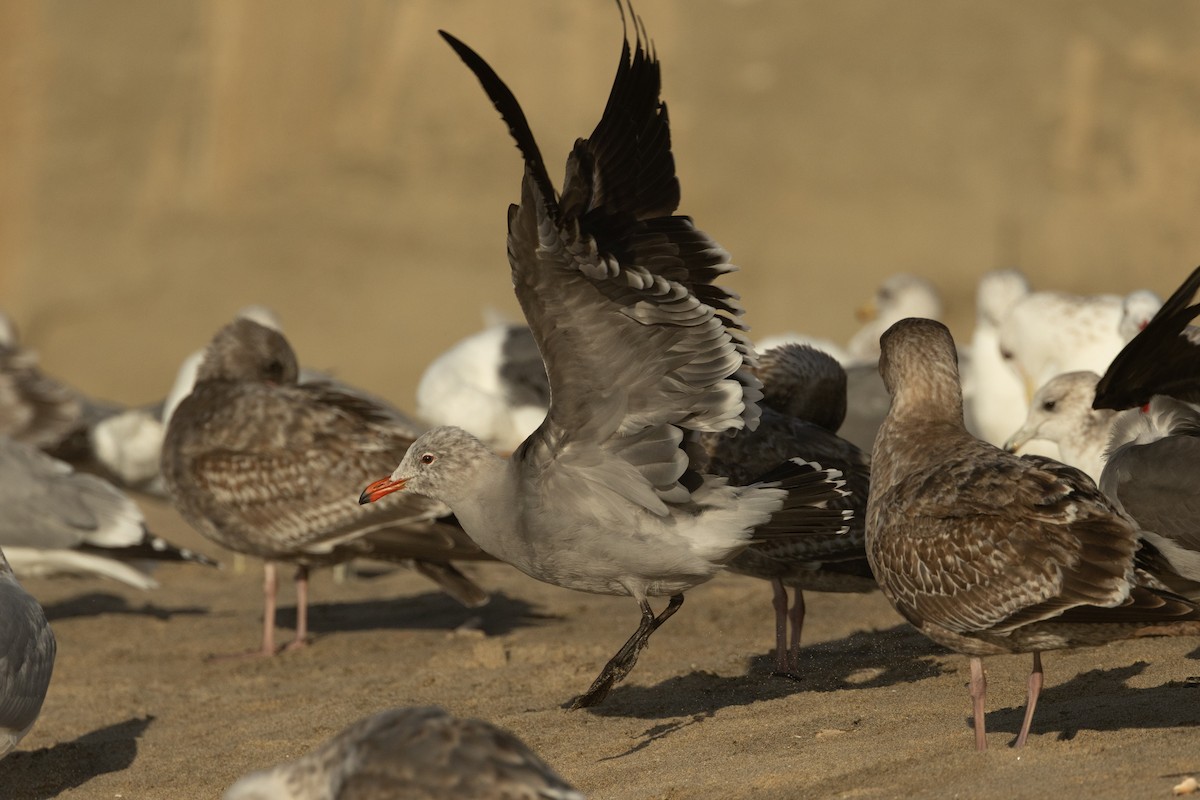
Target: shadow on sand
429,611
94,604
1100,700
48,772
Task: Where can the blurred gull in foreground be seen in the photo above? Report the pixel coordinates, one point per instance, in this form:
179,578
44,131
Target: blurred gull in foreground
27,649
412,753
986,552
620,297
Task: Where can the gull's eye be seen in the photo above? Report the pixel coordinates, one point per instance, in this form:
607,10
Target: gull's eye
1007,355
1049,405
428,458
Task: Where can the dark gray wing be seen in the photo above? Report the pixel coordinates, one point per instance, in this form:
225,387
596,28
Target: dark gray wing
27,649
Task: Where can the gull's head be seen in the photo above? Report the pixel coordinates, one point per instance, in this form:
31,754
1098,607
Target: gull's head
1061,410
442,463
998,291
917,351
244,350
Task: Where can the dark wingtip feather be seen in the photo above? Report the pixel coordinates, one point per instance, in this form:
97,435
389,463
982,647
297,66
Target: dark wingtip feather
510,111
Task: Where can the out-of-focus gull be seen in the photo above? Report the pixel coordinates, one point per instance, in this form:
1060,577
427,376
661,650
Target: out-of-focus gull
1061,412
1049,333
1153,474
986,552
271,468
1137,309
804,400
640,346
492,384
1163,359
54,521
412,753
998,403
27,649
902,295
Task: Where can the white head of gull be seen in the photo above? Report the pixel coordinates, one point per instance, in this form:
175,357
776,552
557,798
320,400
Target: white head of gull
640,347
411,753
1061,412
986,552
27,650
902,295
998,403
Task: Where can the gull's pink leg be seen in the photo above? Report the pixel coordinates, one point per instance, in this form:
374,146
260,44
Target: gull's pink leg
1035,688
270,585
301,638
978,693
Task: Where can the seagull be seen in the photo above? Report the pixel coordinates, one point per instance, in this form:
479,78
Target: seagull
902,295
998,403
804,401
986,552
417,752
268,467
640,348
1061,412
1164,358
57,521
492,383
27,649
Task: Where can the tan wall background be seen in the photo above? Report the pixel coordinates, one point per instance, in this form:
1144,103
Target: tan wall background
164,163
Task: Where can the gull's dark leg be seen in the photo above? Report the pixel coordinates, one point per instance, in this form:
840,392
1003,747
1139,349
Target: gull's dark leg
978,693
1035,688
301,638
780,601
797,619
620,664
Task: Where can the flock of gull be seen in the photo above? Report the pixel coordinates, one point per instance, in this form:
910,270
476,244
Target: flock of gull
631,440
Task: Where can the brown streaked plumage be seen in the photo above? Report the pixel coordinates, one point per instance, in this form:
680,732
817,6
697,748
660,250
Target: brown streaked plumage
986,552
419,753
269,468
804,402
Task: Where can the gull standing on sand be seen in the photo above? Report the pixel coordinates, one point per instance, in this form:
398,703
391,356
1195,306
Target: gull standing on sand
989,553
27,649
412,753
804,401
640,346
270,468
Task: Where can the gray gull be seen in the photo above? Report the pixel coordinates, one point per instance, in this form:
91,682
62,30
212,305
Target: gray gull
640,347
27,649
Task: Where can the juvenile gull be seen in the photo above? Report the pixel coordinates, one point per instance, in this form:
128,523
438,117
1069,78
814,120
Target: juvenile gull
804,401
417,753
986,552
492,384
26,659
54,521
1163,359
271,468
1061,412
639,346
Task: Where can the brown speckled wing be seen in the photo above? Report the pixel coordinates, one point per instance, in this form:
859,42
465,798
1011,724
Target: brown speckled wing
986,541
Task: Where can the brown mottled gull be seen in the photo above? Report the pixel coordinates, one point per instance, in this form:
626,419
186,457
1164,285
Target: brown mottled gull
27,649
269,468
986,552
639,346
804,401
416,754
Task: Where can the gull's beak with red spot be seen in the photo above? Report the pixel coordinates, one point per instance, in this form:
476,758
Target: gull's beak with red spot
380,488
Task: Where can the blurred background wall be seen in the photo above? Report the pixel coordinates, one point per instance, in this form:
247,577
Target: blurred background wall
164,164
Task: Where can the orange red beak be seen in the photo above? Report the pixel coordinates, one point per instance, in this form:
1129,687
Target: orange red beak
380,488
